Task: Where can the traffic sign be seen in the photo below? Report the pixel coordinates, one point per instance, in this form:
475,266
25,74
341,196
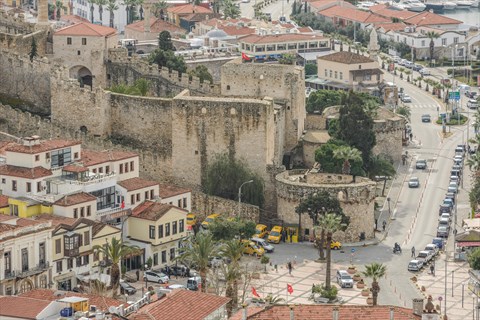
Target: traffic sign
353,250
454,95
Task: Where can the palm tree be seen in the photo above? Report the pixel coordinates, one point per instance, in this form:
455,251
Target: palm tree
159,8
375,271
130,6
474,161
232,250
329,223
58,9
347,154
100,4
112,7
114,252
432,35
198,252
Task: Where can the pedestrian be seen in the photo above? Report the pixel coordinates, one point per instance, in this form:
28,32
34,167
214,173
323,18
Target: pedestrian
413,252
187,272
184,271
290,267
432,269
137,273
411,136
384,225
284,235
291,235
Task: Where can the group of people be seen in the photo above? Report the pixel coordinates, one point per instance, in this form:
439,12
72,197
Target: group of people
432,266
177,271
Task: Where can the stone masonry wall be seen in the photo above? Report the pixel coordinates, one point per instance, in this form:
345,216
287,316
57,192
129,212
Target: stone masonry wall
357,200
213,65
389,134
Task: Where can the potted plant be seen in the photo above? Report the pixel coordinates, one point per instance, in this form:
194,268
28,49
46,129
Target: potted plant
370,301
366,292
360,284
352,269
357,277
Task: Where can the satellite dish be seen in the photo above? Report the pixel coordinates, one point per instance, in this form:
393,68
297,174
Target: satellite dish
112,309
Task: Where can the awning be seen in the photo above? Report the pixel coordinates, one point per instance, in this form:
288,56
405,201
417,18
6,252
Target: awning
469,244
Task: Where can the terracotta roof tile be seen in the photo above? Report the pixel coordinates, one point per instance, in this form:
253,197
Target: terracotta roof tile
6,227
152,210
17,307
22,172
352,14
427,18
86,29
44,145
102,303
167,191
56,219
345,57
305,29
91,158
3,146
288,37
70,18
384,11
3,201
136,183
188,8
325,312
73,199
236,30
181,305
75,168
156,26
199,16
395,26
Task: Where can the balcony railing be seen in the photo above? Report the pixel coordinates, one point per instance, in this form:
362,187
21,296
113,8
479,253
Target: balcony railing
39,268
72,252
9,274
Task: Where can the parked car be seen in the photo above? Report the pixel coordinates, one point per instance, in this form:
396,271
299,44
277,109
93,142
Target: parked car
426,118
446,215
209,219
449,202
252,249
344,279
415,265
334,245
472,104
421,164
451,196
444,209
445,221
406,98
155,276
413,182
417,67
275,234
127,288
261,231
424,256
194,283
452,187
443,231
471,94
455,179
263,244
409,64
424,72
438,242
433,248
455,172
191,219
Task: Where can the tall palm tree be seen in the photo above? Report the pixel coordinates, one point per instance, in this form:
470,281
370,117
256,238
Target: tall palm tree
375,271
232,250
347,154
474,161
198,252
158,8
432,35
329,223
100,4
114,252
112,7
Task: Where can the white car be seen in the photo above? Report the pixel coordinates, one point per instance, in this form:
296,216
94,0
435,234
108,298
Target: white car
157,277
406,98
472,104
432,248
424,72
415,265
424,256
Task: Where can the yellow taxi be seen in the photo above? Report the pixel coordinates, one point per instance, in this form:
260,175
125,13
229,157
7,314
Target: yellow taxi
261,231
335,245
275,234
191,219
209,219
252,249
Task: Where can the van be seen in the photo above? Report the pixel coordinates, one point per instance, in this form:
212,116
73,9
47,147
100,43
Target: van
209,219
263,244
261,231
275,234
194,283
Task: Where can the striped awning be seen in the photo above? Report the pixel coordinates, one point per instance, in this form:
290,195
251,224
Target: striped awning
469,244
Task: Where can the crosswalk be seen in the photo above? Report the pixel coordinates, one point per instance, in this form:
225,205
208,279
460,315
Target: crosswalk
431,106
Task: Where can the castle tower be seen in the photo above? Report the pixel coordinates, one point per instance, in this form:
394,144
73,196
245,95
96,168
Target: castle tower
42,12
373,47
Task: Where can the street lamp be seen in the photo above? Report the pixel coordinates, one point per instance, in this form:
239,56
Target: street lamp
146,278
240,194
389,211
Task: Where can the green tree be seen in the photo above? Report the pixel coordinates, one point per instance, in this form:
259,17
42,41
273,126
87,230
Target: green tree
287,58
229,9
158,8
404,111
114,252
311,69
325,155
474,259
101,4
233,251
33,50
112,7
321,99
432,35
375,271
228,229
381,166
202,73
168,59
329,224
316,206
474,194
198,251
348,155
139,88
58,8
165,41
224,176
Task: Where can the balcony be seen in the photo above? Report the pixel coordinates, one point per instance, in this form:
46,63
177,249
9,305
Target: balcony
9,274
39,268
72,252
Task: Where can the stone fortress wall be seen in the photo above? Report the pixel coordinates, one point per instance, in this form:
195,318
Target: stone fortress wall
356,198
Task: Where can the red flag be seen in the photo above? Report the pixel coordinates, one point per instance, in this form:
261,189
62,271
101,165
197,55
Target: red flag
123,204
254,292
289,288
245,57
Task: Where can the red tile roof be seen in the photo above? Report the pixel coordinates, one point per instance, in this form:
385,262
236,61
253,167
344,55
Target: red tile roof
324,4
188,8
55,219
167,191
305,29
22,172
102,303
351,14
17,307
345,57
395,26
427,18
325,312
236,30
70,18
86,29
136,183
74,199
181,305
6,227
91,158
74,168
44,145
384,11
3,201
153,210
288,37
156,26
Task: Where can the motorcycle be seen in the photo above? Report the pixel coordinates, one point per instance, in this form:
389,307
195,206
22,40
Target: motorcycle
397,249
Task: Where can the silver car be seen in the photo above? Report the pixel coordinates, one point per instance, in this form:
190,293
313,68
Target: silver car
415,265
413,182
344,279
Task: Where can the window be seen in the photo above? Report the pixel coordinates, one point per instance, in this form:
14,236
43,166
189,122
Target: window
82,212
71,245
7,258
155,259
152,194
179,203
107,169
367,77
29,187
59,266
80,240
105,198
341,75
61,157
58,246
89,211
75,213
167,229
14,210
132,166
152,232
37,157
86,259
24,259
164,256
174,227
4,180
126,167
14,185
47,155
160,231
84,41
172,254
100,170
336,75
69,41
444,42
86,238
184,202
70,263
75,155
281,47
39,186
146,195
132,199
455,40
331,73
423,43
121,167
94,170
181,225
78,262
138,197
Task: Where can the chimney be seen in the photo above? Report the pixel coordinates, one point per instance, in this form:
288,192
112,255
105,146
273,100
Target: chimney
335,313
417,306
36,140
292,315
244,312
391,313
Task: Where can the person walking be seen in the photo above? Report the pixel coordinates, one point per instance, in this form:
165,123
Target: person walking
284,235
432,269
290,267
137,273
413,252
384,225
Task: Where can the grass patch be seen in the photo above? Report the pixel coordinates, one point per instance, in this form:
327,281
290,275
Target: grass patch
14,102
454,121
